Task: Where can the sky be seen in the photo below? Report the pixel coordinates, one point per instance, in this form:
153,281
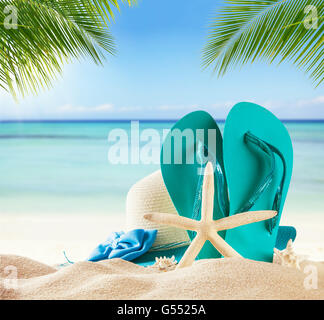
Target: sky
157,74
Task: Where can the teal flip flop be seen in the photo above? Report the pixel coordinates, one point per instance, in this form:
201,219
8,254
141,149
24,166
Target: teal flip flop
285,233
192,141
258,159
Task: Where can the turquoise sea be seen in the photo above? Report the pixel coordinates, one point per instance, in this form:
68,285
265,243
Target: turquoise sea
63,167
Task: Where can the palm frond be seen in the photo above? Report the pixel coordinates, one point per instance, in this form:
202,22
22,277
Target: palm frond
48,34
248,30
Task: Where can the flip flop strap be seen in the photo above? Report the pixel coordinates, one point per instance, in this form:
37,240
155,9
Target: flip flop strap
220,181
278,196
270,150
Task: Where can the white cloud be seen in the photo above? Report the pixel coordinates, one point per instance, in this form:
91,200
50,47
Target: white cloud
308,107
80,109
176,107
225,104
104,108
311,108
128,109
311,102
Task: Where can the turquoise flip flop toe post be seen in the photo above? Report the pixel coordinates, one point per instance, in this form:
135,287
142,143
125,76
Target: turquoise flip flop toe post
192,141
258,159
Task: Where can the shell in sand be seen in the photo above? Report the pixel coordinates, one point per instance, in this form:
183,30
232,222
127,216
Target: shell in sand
288,257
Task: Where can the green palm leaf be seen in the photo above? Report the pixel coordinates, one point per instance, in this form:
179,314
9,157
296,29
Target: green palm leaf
48,34
274,30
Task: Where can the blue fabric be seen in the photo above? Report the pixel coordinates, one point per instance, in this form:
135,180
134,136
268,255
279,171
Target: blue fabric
127,246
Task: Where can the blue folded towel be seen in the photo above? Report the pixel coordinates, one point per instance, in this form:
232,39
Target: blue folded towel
127,246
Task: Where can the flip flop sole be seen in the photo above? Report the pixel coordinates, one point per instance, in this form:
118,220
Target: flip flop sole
181,180
245,169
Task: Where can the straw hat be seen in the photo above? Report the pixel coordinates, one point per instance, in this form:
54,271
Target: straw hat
150,195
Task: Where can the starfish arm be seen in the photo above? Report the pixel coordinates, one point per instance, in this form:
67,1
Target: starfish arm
192,252
172,220
243,218
221,245
207,203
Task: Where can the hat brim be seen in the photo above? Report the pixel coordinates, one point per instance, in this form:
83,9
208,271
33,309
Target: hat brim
148,258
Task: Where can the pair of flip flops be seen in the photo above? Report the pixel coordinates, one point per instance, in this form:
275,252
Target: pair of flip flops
252,169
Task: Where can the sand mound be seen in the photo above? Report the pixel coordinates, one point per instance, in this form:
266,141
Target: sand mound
118,279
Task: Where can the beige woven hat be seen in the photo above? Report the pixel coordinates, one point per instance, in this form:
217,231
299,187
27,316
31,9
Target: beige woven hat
150,195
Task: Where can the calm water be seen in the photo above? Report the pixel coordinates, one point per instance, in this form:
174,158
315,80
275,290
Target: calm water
63,167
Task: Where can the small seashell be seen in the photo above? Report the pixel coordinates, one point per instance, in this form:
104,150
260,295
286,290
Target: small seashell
164,264
288,257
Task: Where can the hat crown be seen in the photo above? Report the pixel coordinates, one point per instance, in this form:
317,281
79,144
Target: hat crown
150,195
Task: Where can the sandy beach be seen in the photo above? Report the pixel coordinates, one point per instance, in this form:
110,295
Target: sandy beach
45,237
77,235
310,233
35,263
229,278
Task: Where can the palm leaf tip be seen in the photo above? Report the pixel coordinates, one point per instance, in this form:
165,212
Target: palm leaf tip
51,33
244,31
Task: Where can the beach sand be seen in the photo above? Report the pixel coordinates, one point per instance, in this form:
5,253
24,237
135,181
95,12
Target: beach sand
310,233
229,278
45,237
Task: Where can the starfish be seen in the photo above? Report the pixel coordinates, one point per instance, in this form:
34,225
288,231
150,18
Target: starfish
207,228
